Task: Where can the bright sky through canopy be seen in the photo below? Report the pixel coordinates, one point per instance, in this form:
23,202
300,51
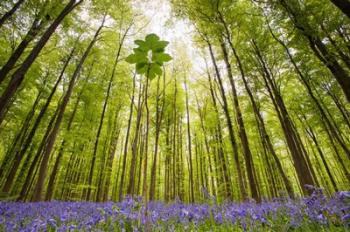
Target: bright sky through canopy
161,21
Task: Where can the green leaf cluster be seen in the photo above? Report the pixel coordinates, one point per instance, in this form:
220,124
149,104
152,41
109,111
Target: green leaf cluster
149,56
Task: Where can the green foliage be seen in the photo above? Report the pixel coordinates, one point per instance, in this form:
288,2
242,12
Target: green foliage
149,56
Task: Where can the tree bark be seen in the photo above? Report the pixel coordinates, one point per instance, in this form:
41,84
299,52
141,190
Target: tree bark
134,146
19,75
239,117
52,137
343,5
9,13
33,31
51,184
189,142
320,49
223,173
25,187
159,118
229,125
334,131
21,134
18,156
296,148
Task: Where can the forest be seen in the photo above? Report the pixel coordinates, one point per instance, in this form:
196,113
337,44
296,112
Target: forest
174,115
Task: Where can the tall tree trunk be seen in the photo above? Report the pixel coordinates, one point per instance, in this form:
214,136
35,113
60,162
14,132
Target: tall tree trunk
134,147
266,139
52,137
19,75
145,152
9,13
207,147
51,184
174,157
334,131
116,61
260,121
239,117
113,148
189,142
312,135
319,48
159,118
131,110
19,138
224,175
295,146
30,174
16,161
229,125
343,5
30,36
18,156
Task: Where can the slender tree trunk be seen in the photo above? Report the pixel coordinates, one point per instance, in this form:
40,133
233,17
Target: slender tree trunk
168,151
52,137
229,126
201,116
295,146
9,13
17,159
223,173
131,110
319,48
189,143
24,147
320,152
113,148
141,148
239,117
266,139
51,185
19,75
30,36
305,82
343,5
19,138
145,153
341,107
134,147
174,164
37,157
98,195
178,169
159,118
116,61
260,121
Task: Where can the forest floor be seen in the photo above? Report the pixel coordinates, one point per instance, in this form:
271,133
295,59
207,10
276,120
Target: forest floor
314,213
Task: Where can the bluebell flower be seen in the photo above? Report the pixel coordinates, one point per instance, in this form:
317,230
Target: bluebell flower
218,218
344,194
346,218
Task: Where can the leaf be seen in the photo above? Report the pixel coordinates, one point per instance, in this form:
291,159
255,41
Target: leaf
131,59
142,45
141,68
151,38
161,57
155,69
159,46
137,57
154,44
156,47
